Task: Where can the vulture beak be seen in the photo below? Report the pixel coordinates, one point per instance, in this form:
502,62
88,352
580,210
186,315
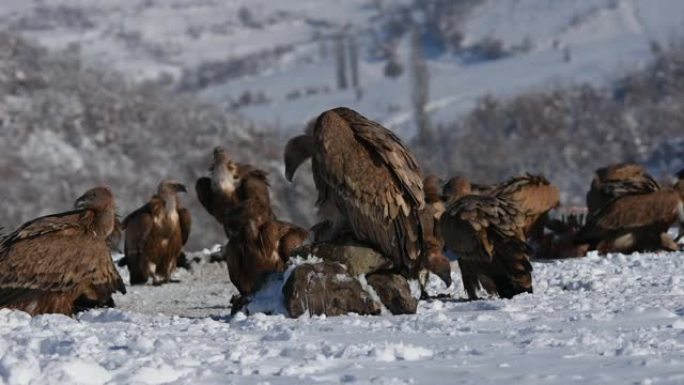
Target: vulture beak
297,150
179,187
81,202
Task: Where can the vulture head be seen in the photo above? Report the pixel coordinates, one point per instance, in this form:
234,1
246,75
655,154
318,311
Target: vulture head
456,188
101,201
98,198
436,262
169,187
224,170
432,185
297,151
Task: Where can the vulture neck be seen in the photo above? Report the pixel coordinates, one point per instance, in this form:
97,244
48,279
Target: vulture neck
222,179
170,202
103,225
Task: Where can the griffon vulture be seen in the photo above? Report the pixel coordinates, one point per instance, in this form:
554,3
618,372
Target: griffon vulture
618,180
486,232
228,184
534,196
155,234
637,222
61,263
259,245
368,184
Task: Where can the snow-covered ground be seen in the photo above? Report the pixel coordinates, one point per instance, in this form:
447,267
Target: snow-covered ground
565,41
599,320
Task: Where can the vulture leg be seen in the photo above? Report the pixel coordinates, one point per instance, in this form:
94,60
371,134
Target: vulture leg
469,278
139,271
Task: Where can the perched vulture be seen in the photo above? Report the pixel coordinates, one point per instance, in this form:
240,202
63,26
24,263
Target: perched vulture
637,222
618,180
259,246
61,263
229,184
368,184
155,235
534,196
486,232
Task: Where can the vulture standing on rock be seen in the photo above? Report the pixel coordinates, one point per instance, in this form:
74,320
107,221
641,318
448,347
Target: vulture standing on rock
369,186
61,263
487,233
636,222
228,184
618,180
155,234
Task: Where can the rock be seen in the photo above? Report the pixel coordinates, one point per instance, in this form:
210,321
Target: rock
326,288
394,292
358,260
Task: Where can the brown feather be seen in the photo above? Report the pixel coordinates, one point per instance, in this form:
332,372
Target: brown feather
633,222
373,183
618,180
49,263
486,232
155,235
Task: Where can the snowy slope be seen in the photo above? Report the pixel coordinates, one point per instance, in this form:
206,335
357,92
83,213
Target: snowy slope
287,50
618,319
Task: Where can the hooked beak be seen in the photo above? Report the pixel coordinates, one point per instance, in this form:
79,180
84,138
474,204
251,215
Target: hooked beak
179,187
297,150
81,202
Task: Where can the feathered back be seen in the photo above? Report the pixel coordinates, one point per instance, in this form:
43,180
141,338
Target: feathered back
373,180
618,180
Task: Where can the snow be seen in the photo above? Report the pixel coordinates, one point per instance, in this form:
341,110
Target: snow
596,320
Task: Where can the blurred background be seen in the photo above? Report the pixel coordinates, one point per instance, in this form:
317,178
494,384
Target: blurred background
126,93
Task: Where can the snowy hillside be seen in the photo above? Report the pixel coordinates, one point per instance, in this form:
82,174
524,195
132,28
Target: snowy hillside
616,319
274,61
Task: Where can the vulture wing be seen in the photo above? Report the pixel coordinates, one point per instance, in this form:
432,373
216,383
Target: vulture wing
486,233
374,179
55,255
205,195
630,213
185,223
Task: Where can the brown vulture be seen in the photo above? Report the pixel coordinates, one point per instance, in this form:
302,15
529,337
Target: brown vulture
534,196
61,263
618,180
637,222
260,245
368,185
486,232
155,234
228,184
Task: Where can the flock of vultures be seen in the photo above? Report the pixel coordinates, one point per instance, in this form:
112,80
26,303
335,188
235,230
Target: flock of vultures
370,191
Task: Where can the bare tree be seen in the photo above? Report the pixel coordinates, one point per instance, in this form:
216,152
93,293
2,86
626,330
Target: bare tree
354,61
420,92
341,61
